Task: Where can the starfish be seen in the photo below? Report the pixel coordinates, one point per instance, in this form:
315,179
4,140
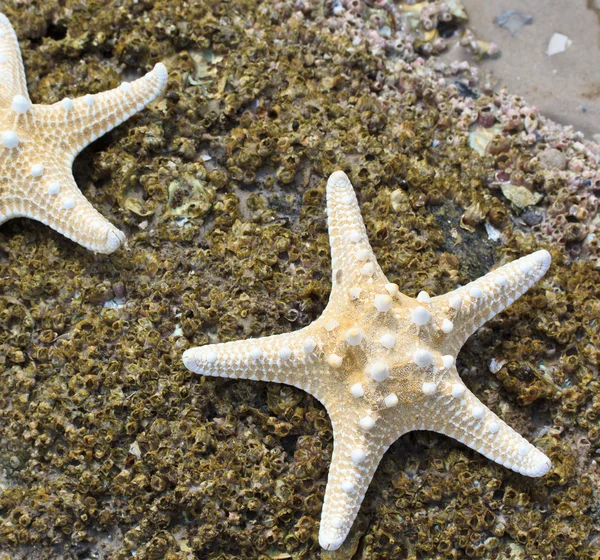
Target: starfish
38,144
382,363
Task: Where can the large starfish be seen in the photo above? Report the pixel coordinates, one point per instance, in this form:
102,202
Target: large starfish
383,363
38,144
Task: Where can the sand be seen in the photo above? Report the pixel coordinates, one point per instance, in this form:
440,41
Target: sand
565,86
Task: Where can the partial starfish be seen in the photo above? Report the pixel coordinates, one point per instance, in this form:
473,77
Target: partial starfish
38,144
383,363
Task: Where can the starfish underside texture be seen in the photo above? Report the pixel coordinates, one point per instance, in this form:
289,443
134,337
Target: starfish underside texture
40,142
383,363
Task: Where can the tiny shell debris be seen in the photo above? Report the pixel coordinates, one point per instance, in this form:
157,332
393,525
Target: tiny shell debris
492,233
134,449
496,365
558,43
513,20
480,137
521,197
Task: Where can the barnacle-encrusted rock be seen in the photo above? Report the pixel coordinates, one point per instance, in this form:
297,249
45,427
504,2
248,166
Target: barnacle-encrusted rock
104,434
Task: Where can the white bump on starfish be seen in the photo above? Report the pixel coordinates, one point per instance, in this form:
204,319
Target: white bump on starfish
284,353
458,390
334,361
493,427
423,297
420,316
354,336
397,378
348,486
357,391
379,371
383,303
368,269
392,289
475,292
447,326
500,281
358,456
256,353
388,340
422,358
37,170
363,254
309,345
20,104
44,139
477,412
448,361
367,423
429,388
390,400
337,522
455,301
355,292
54,188
10,139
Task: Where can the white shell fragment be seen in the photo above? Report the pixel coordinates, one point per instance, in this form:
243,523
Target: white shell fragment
558,43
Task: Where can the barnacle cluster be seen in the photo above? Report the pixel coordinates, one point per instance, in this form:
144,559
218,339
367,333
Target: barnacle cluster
110,447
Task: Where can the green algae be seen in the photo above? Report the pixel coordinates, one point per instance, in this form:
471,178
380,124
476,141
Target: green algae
111,446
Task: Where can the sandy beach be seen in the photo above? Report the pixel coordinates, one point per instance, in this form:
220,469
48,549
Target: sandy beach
564,86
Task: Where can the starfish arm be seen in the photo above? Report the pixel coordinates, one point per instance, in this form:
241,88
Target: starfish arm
352,259
356,455
472,305
12,74
458,413
91,116
58,203
288,358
